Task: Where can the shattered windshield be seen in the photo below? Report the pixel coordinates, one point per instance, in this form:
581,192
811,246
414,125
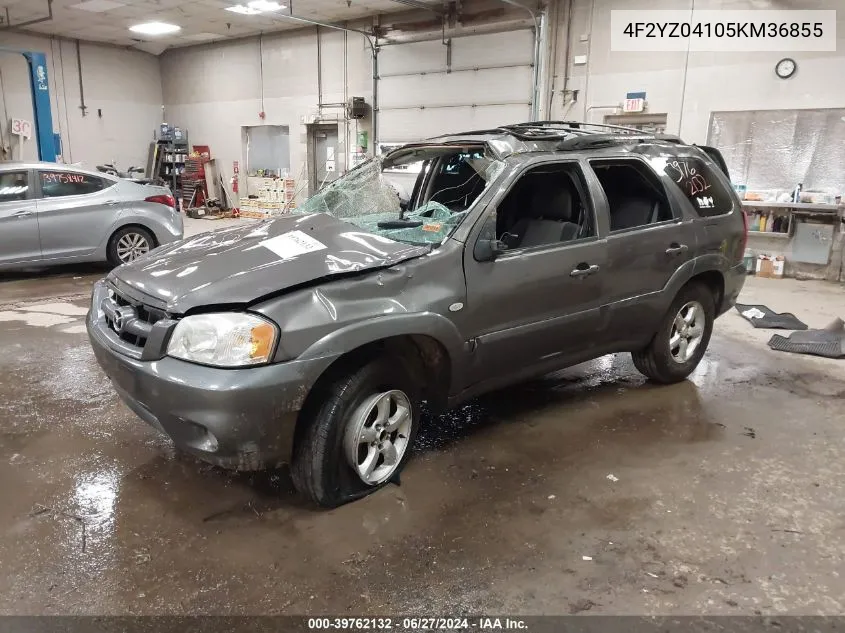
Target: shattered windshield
444,188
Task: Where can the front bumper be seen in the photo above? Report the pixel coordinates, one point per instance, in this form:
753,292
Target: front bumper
242,419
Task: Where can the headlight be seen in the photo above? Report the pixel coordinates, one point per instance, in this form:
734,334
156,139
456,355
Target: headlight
230,339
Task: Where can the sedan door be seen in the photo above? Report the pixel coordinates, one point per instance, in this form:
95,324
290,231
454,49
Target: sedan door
76,211
18,221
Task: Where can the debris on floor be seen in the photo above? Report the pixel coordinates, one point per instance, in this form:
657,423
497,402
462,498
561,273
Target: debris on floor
581,605
761,316
828,342
613,477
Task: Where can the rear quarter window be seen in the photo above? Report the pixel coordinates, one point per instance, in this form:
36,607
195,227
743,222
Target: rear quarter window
700,184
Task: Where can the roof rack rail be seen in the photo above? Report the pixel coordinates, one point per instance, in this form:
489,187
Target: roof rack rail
597,140
574,125
497,130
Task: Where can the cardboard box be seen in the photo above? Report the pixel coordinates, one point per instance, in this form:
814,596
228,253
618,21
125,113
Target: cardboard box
770,267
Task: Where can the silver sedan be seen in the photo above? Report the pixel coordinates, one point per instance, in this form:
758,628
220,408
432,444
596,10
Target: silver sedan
56,214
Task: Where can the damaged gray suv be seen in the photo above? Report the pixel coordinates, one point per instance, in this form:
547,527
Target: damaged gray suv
312,339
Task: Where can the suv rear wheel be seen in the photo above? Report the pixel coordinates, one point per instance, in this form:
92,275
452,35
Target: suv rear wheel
358,433
682,338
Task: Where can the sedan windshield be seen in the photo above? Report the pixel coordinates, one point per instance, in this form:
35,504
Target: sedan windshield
448,181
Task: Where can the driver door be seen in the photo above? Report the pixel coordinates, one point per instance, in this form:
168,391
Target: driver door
19,238
538,305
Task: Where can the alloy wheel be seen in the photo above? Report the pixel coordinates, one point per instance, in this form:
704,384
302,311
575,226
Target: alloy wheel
131,246
687,331
378,435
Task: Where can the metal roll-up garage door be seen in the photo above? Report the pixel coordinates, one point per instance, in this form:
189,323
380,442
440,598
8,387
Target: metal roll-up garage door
489,84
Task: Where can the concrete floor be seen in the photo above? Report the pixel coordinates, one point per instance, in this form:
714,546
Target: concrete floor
725,495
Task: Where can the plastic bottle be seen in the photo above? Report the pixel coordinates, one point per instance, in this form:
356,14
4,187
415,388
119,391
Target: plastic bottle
796,193
763,220
770,226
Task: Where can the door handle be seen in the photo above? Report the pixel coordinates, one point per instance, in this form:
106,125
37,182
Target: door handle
22,214
676,249
111,203
583,270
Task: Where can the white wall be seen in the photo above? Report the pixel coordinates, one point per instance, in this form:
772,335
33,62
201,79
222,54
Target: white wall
712,82
124,84
214,90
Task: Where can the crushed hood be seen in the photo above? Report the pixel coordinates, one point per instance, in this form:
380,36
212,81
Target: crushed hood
242,264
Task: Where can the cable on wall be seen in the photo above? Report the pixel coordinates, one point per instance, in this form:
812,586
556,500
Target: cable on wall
56,88
64,96
686,68
589,61
82,105
261,71
5,116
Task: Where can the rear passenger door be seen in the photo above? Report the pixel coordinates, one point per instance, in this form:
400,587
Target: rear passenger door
649,239
75,211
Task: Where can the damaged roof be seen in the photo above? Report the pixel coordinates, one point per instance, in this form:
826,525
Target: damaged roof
550,136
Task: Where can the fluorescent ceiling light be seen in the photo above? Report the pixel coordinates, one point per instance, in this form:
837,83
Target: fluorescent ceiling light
97,6
155,28
265,5
243,10
256,7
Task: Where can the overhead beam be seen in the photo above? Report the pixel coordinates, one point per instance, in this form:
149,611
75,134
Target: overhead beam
45,18
417,4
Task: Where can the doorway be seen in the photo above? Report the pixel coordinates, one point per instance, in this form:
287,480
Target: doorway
322,155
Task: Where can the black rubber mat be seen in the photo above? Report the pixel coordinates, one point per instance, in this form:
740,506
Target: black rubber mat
829,342
770,318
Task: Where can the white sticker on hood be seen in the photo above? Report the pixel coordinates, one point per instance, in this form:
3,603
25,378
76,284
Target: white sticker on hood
292,244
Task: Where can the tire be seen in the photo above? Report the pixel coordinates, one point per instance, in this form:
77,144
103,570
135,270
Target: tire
666,362
125,237
321,467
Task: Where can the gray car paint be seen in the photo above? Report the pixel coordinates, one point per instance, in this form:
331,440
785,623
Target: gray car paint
491,323
181,277
78,228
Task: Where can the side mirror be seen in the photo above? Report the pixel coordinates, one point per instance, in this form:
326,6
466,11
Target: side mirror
488,250
487,246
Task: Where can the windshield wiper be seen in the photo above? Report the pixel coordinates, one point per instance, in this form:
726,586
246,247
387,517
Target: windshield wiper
401,223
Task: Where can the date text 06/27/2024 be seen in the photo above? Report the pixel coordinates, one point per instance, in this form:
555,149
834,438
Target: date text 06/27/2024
417,624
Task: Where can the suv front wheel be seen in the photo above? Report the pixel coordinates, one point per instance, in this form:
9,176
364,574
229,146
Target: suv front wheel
357,434
682,338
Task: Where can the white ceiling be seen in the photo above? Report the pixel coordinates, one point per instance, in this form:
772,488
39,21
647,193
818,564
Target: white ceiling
201,20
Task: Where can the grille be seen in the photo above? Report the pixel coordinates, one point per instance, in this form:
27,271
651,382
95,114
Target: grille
136,319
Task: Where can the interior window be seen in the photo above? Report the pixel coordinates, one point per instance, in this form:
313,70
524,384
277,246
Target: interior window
14,185
458,180
67,183
635,194
547,205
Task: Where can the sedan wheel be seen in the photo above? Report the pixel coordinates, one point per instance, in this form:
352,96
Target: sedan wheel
377,436
131,246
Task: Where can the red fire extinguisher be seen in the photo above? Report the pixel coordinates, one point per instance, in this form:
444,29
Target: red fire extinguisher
235,171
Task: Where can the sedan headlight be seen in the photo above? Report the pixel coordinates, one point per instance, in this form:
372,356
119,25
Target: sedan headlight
226,339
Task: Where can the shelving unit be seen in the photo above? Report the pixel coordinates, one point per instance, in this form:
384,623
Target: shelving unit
169,160
808,243
777,236
808,206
